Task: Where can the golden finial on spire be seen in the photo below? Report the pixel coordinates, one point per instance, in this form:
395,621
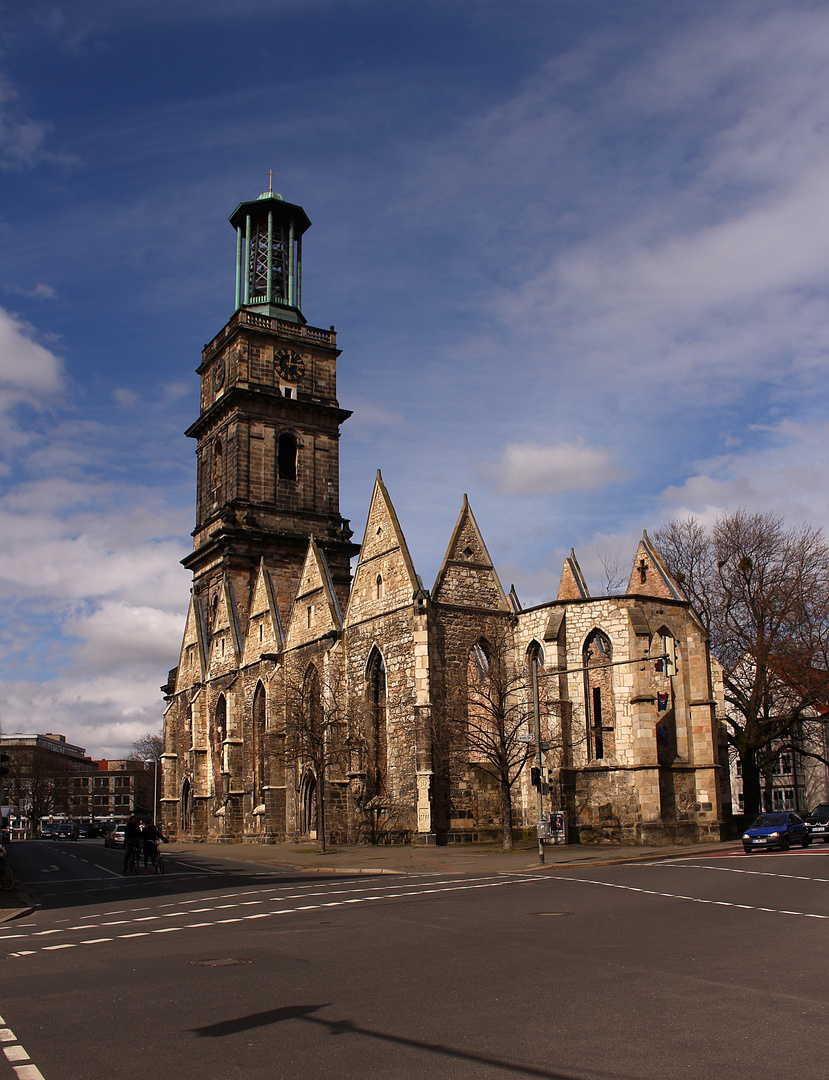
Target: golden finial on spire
270,180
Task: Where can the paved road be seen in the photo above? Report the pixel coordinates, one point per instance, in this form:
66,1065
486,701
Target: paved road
706,966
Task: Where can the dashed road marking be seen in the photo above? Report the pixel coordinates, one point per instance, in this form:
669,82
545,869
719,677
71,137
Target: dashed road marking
691,899
368,894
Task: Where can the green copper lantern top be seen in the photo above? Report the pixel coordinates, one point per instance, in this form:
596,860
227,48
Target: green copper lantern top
269,255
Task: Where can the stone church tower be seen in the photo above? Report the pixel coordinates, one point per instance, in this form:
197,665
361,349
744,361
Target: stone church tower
267,436
302,701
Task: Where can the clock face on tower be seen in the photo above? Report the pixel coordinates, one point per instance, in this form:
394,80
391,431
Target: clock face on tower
288,365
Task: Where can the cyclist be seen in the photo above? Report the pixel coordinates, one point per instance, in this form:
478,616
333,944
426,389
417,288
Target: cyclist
132,839
150,835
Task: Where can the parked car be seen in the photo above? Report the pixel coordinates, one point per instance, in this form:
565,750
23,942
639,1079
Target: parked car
48,830
67,830
818,823
115,837
777,830
89,830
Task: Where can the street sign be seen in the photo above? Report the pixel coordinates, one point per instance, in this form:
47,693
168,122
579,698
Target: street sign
526,738
545,745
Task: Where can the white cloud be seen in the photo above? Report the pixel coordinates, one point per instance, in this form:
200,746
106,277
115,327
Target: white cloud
117,634
29,372
125,397
789,476
530,468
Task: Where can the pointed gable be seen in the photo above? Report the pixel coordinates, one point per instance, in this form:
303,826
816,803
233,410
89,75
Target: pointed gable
385,578
192,663
467,577
265,633
650,576
316,610
572,585
225,636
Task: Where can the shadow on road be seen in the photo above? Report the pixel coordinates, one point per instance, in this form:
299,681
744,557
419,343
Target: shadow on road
348,1027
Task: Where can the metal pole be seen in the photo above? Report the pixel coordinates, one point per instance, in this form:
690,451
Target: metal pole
248,268
155,789
238,267
298,286
291,263
269,294
537,732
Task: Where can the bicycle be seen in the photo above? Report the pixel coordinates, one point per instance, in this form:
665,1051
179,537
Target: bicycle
155,857
134,861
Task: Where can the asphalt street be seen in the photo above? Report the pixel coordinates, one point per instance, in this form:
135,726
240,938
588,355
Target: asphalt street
708,965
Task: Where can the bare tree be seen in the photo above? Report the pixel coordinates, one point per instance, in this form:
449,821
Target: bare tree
489,713
316,726
762,592
615,576
36,787
149,747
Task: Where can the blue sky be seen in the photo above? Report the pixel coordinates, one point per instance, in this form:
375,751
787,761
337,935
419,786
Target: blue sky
576,252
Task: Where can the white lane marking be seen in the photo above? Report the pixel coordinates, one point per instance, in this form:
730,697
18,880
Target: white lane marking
203,869
167,930
737,870
28,1072
691,899
54,948
96,940
15,1053
7,1035
106,870
391,891
141,933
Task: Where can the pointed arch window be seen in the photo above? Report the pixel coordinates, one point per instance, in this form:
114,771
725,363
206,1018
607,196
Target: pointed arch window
535,663
312,705
481,696
259,717
376,734
220,747
379,587
597,657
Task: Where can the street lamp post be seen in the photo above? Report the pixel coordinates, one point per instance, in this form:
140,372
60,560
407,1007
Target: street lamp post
155,783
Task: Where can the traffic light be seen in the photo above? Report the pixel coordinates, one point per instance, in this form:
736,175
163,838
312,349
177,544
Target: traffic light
4,769
535,776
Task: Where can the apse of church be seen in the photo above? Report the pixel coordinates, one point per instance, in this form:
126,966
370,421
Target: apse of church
305,700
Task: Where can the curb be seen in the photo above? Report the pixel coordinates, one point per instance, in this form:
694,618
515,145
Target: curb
9,914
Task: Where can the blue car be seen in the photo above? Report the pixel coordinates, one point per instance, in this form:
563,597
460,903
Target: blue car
778,830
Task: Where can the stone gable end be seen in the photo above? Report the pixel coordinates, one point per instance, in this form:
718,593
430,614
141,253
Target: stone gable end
384,579
190,664
263,635
467,577
649,577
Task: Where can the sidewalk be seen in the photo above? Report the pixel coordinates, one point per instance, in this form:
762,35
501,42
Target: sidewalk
454,859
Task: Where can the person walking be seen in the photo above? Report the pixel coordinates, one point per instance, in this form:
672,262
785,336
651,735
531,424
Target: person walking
132,841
